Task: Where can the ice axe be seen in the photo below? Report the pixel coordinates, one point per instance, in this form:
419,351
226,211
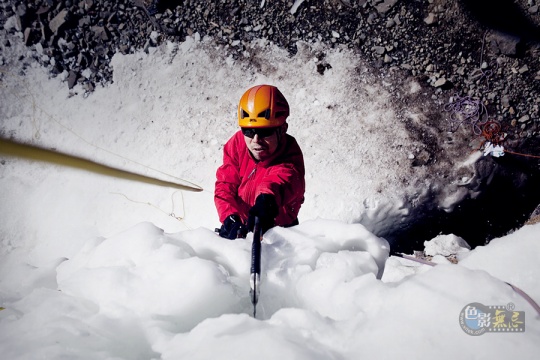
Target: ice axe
255,276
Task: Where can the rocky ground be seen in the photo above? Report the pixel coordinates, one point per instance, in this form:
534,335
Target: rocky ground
479,59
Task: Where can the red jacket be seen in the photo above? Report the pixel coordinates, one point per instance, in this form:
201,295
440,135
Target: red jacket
241,179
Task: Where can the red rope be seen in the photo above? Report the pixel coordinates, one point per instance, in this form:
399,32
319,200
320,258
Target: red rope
527,155
491,131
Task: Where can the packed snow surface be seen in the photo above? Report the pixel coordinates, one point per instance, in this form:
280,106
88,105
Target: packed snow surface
93,267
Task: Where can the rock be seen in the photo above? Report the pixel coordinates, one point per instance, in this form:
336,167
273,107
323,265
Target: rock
85,21
535,217
21,10
72,79
505,101
82,61
385,6
431,19
100,32
39,49
58,21
440,82
13,22
523,69
379,50
533,9
88,87
27,36
524,119
422,158
295,6
43,10
371,18
502,43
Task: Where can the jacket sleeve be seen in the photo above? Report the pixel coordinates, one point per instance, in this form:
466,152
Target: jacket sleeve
286,182
227,183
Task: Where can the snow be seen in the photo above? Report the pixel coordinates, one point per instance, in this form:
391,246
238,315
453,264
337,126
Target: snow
93,267
446,245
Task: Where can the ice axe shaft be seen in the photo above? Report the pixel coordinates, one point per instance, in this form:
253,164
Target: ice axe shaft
255,274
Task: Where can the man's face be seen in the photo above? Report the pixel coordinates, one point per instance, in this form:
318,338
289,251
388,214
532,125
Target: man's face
262,147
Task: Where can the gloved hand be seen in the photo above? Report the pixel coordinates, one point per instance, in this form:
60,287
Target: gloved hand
232,228
266,209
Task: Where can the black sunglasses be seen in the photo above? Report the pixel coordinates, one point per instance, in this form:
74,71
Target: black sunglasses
262,132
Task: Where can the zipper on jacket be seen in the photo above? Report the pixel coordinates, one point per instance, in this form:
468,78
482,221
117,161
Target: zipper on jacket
250,188
252,172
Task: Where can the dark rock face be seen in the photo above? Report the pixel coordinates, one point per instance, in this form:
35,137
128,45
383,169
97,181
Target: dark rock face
502,198
507,16
478,59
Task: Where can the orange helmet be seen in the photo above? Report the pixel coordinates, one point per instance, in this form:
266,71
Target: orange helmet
262,106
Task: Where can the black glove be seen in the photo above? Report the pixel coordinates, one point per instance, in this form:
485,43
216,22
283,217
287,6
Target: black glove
232,228
266,209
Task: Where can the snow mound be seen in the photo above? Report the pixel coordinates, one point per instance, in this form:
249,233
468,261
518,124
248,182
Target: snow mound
194,275
147,294
446,245
509,258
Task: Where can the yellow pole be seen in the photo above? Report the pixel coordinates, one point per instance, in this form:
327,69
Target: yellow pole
32,152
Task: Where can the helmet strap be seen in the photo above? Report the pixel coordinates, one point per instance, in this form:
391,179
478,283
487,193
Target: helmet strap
280,131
